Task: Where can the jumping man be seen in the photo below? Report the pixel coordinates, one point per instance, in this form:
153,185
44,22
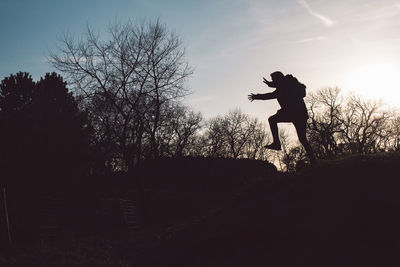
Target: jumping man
289,93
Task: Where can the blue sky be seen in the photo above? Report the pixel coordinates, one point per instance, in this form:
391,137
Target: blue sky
232,44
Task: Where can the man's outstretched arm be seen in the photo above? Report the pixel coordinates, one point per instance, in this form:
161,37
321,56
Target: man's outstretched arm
262,96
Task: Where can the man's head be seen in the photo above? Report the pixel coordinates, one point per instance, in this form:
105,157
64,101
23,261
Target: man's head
277,76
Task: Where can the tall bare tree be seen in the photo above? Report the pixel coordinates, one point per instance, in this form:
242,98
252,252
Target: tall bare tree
349,124
365,125
124,79
325,111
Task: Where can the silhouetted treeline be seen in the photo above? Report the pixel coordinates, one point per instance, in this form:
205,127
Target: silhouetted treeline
128,107
352,124
43,134
132,84
342,125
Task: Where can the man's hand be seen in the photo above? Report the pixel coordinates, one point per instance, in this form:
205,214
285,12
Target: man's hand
266,81
252,97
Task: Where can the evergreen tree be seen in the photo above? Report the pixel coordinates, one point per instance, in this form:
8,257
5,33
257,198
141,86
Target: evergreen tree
44,136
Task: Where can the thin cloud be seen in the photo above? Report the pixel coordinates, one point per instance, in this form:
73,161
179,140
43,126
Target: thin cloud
327,21
311,39
387,12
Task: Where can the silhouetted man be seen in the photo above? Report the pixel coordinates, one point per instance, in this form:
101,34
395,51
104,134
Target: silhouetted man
289,93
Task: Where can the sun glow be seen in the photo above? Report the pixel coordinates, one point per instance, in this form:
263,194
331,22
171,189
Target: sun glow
377,81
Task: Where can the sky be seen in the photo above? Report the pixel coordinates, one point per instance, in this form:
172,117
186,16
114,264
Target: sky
231,44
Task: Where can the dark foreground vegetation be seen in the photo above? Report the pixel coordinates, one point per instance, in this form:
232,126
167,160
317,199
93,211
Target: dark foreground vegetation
338,213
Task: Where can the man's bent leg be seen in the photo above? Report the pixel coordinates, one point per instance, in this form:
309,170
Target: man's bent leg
280,116
273,124
301,127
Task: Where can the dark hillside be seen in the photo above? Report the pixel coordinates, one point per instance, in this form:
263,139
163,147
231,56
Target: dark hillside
339,213
183,188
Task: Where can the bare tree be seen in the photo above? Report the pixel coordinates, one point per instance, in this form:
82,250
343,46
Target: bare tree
237,130
214,138
325,110
340,125
395,131
292,156
125,79
179,132
365,125
254,147
235,135
282,157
